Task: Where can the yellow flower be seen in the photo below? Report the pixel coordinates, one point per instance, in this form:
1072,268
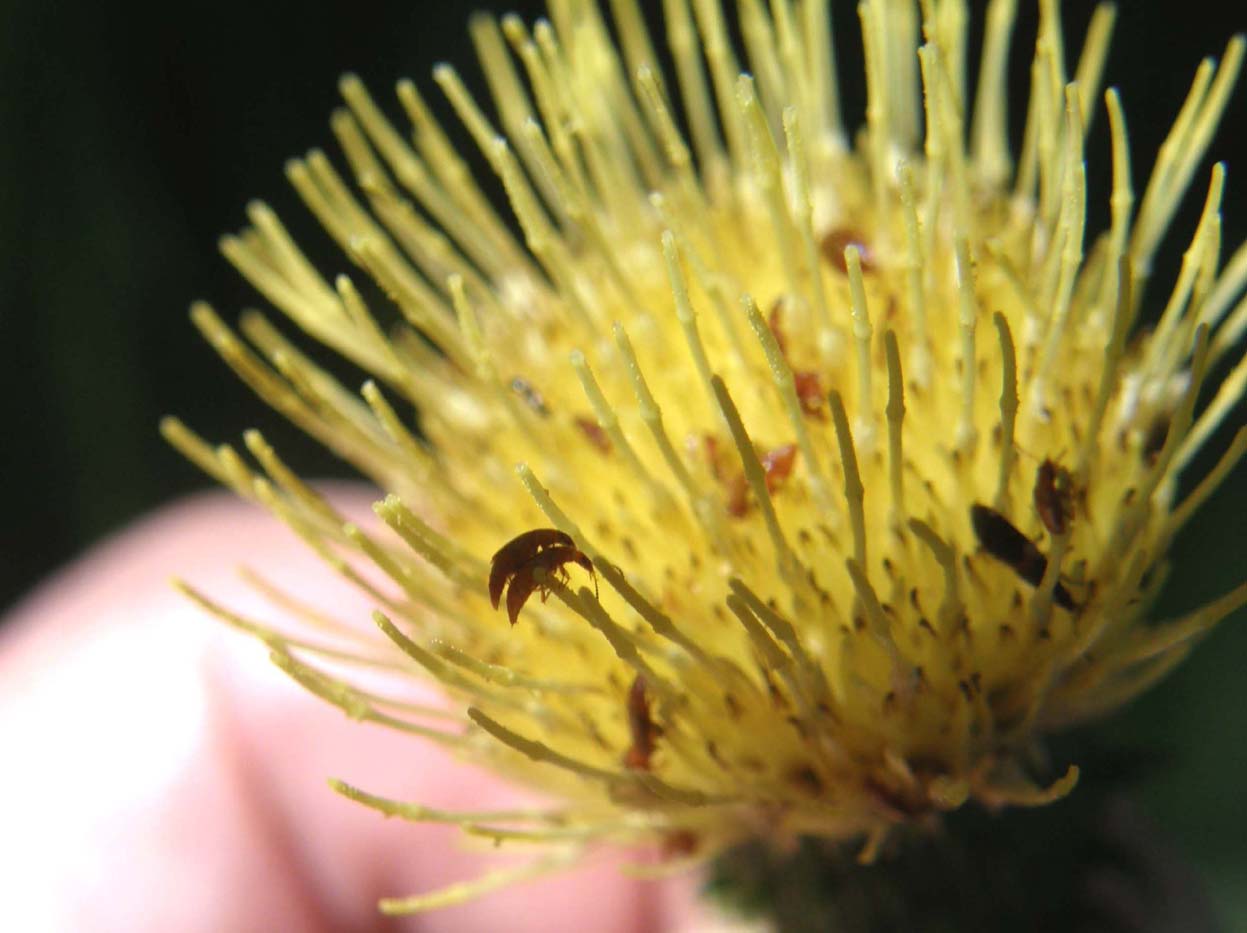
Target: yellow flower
862,472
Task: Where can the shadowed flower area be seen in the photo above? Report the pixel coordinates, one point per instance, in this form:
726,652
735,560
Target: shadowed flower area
844,473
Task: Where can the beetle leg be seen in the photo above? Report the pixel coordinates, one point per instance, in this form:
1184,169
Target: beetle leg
498,576
522,586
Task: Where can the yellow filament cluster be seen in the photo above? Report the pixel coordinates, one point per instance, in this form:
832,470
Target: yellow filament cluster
828,647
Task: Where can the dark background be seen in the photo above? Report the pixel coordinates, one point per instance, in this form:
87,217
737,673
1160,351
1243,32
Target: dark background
130,141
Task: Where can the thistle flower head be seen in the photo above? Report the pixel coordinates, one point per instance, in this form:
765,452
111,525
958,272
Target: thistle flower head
854,474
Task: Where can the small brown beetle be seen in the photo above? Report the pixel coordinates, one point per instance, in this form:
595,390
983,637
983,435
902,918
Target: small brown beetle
1054,497
644,730
514,565
1003,541
835,242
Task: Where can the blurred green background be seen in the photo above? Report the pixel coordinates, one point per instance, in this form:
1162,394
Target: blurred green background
129,141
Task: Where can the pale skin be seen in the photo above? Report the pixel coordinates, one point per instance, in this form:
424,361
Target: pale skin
160,774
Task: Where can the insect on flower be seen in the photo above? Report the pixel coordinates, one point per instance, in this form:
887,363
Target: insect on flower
641,725
1002,540
1054,497
834,243
517,564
